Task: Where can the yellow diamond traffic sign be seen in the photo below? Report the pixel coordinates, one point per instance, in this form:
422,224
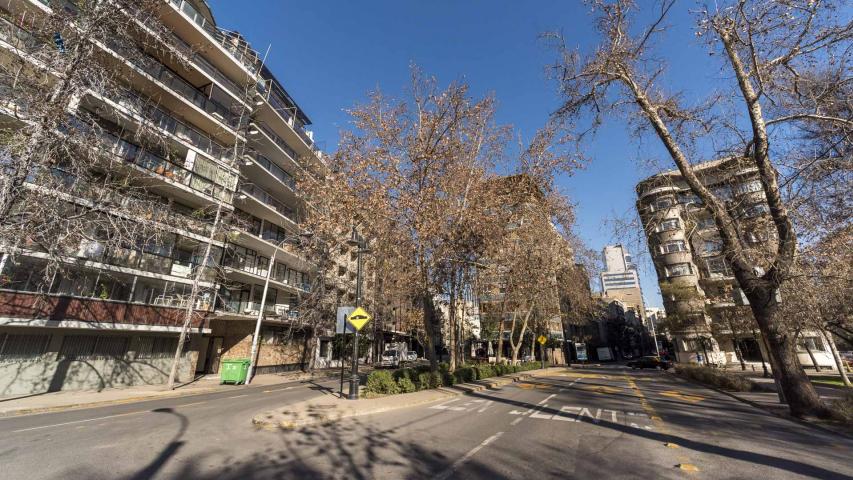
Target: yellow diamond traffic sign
359,318
542,339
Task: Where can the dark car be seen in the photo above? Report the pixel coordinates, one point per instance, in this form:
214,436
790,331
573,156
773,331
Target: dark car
650,362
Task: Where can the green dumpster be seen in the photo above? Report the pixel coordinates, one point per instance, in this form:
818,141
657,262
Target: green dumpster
234,371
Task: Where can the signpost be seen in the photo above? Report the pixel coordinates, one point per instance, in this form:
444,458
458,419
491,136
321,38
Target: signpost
357,319
342,327
542,339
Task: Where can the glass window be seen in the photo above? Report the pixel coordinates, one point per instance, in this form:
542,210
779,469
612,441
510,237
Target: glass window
664,202
705,223
718,266
674,246
678,269
755,210
668,224
689,198
748,187
814,344
712,246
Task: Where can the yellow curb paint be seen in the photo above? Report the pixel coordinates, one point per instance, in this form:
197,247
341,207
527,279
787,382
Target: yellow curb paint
688,467
671,445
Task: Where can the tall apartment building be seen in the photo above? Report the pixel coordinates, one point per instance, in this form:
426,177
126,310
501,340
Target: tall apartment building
232,138
700,293
619,280
523,198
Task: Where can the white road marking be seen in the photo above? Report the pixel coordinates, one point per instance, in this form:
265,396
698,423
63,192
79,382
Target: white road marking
191,404
238,396
516,421
447,473
277,389
487,405
549,397
78,421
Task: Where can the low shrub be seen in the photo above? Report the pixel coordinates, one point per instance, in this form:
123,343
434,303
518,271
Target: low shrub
448,379
406,385
465,374
381,382
485,371
715,377
427,380
410,373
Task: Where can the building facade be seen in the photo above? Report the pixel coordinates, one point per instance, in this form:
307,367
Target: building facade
233,141
706,312
619,280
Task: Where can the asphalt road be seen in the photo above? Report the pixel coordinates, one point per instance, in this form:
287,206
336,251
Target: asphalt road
589,424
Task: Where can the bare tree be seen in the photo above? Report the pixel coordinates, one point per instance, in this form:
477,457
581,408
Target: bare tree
763,44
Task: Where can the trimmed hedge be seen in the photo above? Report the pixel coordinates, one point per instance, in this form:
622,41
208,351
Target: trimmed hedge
715,377
412,379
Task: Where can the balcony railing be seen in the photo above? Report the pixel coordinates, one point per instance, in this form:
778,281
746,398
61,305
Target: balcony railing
160,166
174,82
230,41
262,196
274,170
18,37
206,66
163,119
277,140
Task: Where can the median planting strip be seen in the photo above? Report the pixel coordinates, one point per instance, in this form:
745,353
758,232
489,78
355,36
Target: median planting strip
330,408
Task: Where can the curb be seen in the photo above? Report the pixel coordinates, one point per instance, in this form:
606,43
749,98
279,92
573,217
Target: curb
142,398
448,392
767,410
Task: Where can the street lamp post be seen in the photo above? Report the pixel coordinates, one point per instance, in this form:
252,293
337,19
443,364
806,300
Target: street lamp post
255,339
358,242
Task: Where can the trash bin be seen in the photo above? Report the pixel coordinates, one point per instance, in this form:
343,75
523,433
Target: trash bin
234,371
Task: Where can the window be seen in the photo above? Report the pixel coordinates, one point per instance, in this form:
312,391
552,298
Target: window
664,202
723,192
755,210
748,187
22,347
718,266
759,236
705,223
712,246
673,246
157,347
92,347
815,344
678,269
668,224
689,198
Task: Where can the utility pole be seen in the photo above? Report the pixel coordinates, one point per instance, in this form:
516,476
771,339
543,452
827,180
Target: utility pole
357,242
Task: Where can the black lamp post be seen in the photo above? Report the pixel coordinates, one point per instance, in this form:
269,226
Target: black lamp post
358,242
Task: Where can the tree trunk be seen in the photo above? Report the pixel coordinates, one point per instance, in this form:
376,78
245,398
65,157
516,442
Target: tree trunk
429,327
500,353
516,346
835,356
798,391
453,341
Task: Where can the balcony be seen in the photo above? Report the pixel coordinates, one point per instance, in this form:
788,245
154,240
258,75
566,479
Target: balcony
169,123
19,37
230,41
265,198
154,68
202,64
269,168
277,140
164,168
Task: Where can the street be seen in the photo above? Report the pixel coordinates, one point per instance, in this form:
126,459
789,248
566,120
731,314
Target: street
603,423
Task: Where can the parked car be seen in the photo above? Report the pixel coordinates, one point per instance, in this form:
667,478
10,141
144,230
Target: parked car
650,362
411,356
390,359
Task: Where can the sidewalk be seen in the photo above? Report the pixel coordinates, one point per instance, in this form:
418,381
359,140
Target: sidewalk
74,399
767,398
331,408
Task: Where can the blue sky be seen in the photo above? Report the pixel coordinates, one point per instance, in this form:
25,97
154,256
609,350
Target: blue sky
329,54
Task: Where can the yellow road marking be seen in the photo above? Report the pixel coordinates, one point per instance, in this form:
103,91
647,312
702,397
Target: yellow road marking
683,396
671,445
601,388
687,467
